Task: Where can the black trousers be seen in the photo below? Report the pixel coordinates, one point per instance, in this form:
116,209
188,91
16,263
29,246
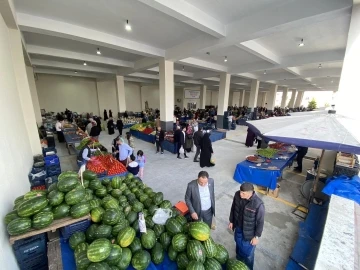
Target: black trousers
60,135
178,150
159,145
299,160
259,144
198,148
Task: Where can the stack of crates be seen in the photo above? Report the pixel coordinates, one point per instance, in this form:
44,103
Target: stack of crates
38,174
69,230
52,165
31,253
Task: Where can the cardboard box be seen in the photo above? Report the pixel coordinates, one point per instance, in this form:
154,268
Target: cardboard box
274,192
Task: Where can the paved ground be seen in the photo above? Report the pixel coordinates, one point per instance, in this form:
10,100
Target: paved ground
167,174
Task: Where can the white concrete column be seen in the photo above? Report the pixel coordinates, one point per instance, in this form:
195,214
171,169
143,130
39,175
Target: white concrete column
253,94
299,99
272,97
284,98
292,100
347,102
34,95
264,96
166,75
235,98
203,96
120,93
242,98
223,98
23,87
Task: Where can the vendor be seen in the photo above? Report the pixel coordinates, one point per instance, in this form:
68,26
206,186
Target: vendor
59,126
85,154
124,151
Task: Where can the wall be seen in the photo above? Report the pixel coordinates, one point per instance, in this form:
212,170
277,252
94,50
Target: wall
234,99
133,97
106,92
59,92
16,156
150,94
34,96
208,97
247,98
179,94
191,100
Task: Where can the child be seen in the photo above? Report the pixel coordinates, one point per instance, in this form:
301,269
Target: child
141,161
130,139
133,166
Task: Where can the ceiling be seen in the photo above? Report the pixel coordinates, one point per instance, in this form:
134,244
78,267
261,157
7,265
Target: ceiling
260,40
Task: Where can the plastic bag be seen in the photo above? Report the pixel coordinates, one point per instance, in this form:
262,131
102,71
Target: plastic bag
212,160
38,175
161,216
181,151
213,223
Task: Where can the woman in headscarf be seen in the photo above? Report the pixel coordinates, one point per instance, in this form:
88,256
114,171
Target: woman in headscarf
189,139
110,114
105,115
110,126
206,151
250,137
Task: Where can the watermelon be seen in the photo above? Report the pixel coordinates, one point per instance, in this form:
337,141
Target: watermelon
172,253
32,206
99,266
103,231
76,239
132,217
157,254
148,239
148,190
129,176
137,207
135,245
122,198
136,227
195,251
166,204
11,216
86,183
148,202
42,220
181,219
95,184
127,208
233,264
116,182
152,209
97,214
67,184
89,195
19,226
67,174
115,255
123,223
114,267
80,248
80,210
158,198
52,187
210,247
149,222
212,264
123,187
47,208
182,260
111,217
179,242
89,175
55,197
101,192
141,260
175,212
173,226
125,259
99,250
221,254
106,182
61,211
91,232
109,189
75,196
158,229
165,240
94,203
126,236
116,193
131,197
111,204
34,193
199,230
81,260
195,265
143,198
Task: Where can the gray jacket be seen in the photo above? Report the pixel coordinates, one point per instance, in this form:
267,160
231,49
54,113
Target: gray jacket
192,197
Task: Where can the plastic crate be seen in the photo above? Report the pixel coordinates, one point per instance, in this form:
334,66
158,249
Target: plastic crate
39,262
51,160
36,170
48,149
51,180
69,230
53,170
37,178
30,247
37,183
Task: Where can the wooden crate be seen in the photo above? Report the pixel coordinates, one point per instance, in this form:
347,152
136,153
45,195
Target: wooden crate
54,255
345,160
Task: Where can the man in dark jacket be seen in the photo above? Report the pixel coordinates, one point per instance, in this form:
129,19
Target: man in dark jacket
197,141
179,138
247,220
302,151
159,139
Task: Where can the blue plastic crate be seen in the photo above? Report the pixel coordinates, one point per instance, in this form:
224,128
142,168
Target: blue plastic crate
69,230
51,160
51,180
53,170
48,149
35,178
39,262
30,247
35,170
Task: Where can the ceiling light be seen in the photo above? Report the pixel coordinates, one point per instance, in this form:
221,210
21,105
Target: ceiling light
225,59
265,72
183,68
332,81
85,63
75,71
301,44
98,51
127,26
319,66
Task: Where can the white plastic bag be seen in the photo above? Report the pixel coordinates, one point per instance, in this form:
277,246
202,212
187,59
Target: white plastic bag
38,175
161,216
181,151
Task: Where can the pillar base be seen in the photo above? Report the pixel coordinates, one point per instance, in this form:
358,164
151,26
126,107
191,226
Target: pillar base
220,122
169,125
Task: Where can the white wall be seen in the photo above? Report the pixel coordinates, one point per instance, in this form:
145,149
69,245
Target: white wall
179,94
133,97
234,99
247,99
34,95
150,94
214,98
57,92
208,97
16,155
106,92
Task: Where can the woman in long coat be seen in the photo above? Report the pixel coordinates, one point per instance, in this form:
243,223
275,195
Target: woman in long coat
106,115
110,126
189,139
206,151
250,137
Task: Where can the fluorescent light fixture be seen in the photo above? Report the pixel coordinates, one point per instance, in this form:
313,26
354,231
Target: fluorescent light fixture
75,71
265,72
301,44
332,81
85,63
183,68
98,51
319,66
127,26
225,59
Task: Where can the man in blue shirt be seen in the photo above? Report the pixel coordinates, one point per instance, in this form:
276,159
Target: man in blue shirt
124,151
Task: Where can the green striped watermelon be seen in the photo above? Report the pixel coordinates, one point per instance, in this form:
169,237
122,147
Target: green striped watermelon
212,264
75,196
148,239
123,223
80,248
76,239
32,206
66,174
199,230
115,255
11,216
89,175
99,266
158,198
166,204
221,254
158,229
61,211
157,254
173,226
210,247
81,260
55,197
149,222
88,195
94,203
195,265
233,264
115,182
103,231
95,184
152,209
101,192
182,261
135,245
42,220
111,217
181,219
172,253
165,240
34,193
116,193
125,259
99,250
195,251
141,260
68,184
52,187
80,210
179,242
91,232
126,236
132,217
97,214
19,226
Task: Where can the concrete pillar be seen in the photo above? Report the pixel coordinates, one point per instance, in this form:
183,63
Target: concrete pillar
253,94
299,99
271,98
292,99
223,98
34,95
235,99
166,74
23,87
242,98
284,98
346,102
264,96
203,96
120,94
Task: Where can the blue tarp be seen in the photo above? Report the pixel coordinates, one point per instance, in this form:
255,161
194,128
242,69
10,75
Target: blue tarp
344,186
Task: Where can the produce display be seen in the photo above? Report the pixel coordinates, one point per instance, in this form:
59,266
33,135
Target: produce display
267,153
142,126
278,145
106,164
169,136
94,143
255,159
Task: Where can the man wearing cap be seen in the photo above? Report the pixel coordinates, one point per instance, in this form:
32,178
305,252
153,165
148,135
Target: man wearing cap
247,221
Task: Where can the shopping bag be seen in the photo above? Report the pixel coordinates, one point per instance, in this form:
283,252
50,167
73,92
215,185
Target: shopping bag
212,160
181,151
161,216
213,223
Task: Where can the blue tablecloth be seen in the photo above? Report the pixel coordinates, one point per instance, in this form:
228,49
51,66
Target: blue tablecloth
217,135
142,136
169,146
248,172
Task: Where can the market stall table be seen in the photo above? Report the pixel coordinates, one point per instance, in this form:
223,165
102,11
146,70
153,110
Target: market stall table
71,139
262,175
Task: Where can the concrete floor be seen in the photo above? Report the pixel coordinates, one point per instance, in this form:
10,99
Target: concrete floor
169,175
